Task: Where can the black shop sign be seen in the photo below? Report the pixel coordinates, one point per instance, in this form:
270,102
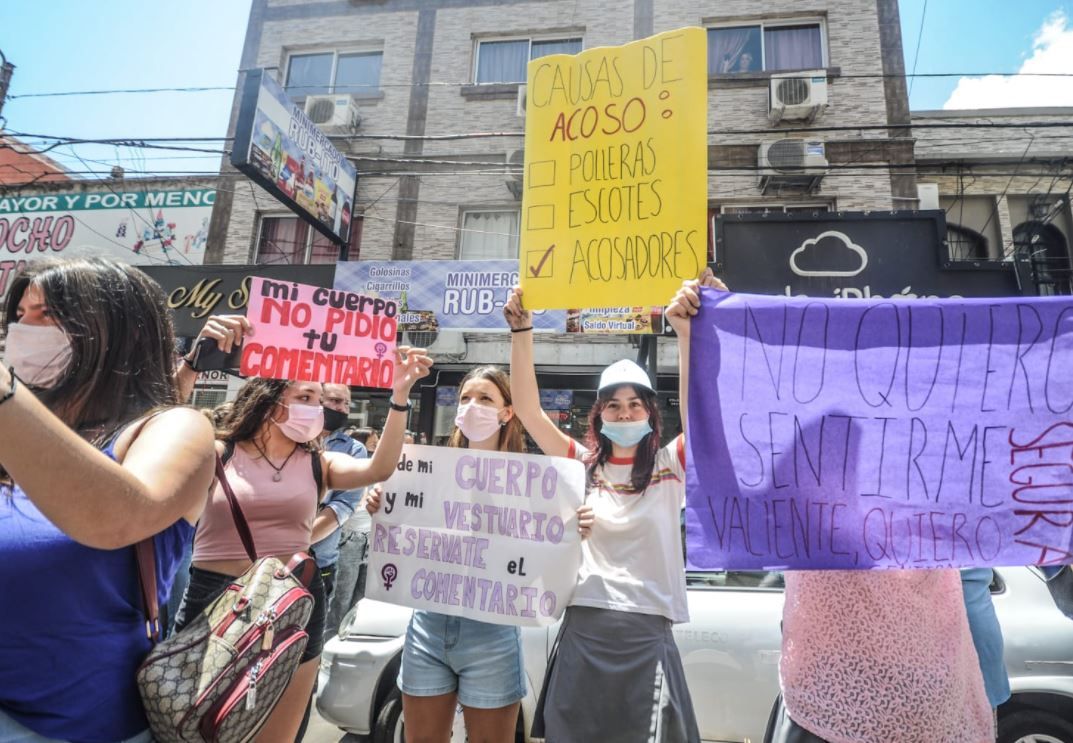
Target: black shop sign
851,255
195,292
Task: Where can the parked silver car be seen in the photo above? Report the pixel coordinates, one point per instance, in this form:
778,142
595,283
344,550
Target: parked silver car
730,650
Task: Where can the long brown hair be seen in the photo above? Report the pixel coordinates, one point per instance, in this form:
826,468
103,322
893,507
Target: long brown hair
600,449
252,408
122,341
511,434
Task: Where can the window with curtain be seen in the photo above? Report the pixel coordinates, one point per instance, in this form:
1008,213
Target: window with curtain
309,74
763,47
331,72
735,49
505,61
793,48
291,241
489,235
358,73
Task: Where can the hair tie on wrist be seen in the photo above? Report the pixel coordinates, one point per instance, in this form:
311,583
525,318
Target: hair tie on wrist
521,330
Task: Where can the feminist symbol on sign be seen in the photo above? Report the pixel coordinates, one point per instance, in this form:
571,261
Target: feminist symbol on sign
389,573
381,349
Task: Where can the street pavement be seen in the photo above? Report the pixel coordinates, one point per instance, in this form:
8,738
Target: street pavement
320,731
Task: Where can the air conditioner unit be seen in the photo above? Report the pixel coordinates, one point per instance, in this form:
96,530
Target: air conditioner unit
333,111
515,172
519,108
787,164
797,95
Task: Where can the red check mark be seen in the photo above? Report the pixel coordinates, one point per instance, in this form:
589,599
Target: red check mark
536,270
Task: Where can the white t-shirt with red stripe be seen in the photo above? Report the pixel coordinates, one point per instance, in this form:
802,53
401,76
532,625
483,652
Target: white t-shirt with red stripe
632,560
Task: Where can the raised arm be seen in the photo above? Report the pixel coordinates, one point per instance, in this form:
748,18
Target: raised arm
165,475
228,332
680,312
523,383
346,472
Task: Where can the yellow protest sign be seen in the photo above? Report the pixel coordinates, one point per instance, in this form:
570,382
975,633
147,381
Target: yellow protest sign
614,206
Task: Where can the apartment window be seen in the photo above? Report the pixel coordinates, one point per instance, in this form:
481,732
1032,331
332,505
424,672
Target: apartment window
766,48
333,72
289,240
504,61
488,235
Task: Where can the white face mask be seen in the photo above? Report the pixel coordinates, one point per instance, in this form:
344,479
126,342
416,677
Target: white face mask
477,422
39,354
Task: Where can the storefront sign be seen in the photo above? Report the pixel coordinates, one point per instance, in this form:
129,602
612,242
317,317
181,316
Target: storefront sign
469,296
196,292
851,255
484,535
279,147
616,320
313,334
443,295
615,184
137,227
880,434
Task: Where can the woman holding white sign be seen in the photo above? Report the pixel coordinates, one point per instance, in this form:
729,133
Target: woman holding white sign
450,660
279,477
616,634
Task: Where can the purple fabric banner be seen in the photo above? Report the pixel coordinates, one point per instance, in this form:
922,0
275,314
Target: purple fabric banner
858,434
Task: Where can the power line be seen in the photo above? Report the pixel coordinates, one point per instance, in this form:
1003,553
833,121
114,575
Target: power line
154,142
916,54
363,88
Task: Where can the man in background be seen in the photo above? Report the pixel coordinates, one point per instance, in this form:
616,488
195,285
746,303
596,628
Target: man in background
352,566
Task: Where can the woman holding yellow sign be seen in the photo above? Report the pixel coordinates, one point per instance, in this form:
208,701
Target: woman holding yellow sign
616,634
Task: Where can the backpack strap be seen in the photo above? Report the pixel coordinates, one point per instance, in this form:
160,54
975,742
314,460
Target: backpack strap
318,473
241,525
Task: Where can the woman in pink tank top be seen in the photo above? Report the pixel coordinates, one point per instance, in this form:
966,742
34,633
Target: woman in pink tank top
270,433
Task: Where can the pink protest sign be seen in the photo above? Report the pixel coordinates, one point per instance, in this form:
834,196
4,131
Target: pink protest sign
314,334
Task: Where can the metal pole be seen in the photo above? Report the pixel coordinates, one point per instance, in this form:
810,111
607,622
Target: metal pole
6,69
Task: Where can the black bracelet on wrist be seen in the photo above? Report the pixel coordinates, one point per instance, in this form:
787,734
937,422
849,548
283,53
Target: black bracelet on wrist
521,330
401,408
186,360
11,392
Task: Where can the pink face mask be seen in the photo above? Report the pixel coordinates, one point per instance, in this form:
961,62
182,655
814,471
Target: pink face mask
477,422
304,422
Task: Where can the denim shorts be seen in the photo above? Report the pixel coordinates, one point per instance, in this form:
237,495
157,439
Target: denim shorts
482,661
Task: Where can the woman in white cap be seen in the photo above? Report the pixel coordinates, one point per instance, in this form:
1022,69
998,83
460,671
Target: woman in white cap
616,635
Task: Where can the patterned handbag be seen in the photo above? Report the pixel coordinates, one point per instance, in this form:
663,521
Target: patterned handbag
218,679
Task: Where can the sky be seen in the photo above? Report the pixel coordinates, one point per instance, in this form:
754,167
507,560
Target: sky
80,45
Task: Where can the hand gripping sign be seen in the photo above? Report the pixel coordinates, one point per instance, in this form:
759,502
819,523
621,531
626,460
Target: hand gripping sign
314,334
857,434
485,535
614,206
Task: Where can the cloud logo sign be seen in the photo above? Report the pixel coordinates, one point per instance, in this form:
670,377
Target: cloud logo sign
861,256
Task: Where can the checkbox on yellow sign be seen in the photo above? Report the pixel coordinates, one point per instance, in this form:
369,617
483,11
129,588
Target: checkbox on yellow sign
541,217
542,173
539,263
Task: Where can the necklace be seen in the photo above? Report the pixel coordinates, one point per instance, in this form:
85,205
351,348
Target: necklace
278,475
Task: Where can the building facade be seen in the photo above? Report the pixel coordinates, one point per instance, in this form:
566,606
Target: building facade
434,124
1005,186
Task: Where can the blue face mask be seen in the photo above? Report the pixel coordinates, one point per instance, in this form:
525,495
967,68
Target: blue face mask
626,433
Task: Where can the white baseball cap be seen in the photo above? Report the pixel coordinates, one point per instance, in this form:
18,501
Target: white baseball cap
624,372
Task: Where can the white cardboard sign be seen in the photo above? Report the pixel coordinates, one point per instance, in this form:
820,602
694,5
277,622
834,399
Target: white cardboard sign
485,535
